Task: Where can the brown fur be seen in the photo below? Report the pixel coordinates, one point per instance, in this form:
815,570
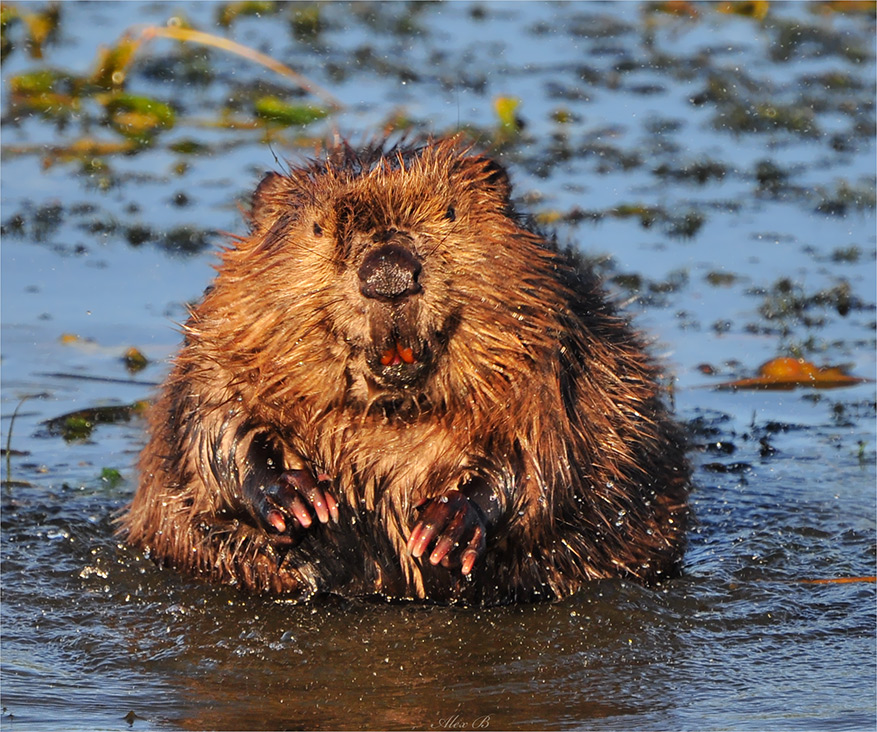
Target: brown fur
530,383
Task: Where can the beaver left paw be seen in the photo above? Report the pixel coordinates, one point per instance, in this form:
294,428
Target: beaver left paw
290,503
456,526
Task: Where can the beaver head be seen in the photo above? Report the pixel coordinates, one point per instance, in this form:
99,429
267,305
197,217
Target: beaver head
383,278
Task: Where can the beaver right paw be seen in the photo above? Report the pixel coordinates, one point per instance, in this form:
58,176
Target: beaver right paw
456,529
289,504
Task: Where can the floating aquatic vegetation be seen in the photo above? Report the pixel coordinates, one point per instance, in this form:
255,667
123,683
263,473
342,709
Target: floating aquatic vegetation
757,9
184,240
134,360
113,63
139,118
225,44
510,124
787,300
228,13
111,478
276,111
40,28
701,171
845,196
51,93
785,373
104,96
79,425
721,279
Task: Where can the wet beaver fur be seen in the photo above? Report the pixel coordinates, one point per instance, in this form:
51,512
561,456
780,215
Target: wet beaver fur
394,387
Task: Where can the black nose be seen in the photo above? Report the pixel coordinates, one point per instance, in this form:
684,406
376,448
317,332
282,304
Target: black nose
390,272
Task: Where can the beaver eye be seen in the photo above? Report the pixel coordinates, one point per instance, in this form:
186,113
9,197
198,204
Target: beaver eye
450,214
318,230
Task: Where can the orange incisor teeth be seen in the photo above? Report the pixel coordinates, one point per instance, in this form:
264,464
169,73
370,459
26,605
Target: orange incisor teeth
406,354
397,354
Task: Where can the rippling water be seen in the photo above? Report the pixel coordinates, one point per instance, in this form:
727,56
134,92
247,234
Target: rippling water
747,147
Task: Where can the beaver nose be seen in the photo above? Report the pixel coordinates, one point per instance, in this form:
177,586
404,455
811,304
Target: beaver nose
389,271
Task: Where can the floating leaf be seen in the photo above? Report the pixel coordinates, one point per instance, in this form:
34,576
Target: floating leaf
646,214
720,279
275,110
789,373
188,146
138,117
78,425
37,82
134,360
548,218
506,109
8,17
675,7
113,63
868,7
306,21
748,8
840,580
229,12
74,427
111,477
41,28
87,150
45,91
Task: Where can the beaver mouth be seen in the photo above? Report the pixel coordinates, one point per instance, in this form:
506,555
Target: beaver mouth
399,364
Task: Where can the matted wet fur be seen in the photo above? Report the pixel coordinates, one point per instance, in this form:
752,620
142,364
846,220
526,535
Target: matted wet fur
394,387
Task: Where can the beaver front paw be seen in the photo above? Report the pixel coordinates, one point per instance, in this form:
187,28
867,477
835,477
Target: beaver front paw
289,504
456,526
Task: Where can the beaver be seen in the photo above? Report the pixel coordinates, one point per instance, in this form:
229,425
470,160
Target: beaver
397,387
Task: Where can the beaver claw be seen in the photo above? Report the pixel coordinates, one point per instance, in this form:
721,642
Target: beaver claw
294,499
456,526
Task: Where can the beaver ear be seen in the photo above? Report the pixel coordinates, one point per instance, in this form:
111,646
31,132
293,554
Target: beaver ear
486,173
274,194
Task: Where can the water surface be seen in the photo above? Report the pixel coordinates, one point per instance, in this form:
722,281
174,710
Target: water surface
719,168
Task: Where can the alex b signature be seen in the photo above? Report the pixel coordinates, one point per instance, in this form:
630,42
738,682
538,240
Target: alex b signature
457,721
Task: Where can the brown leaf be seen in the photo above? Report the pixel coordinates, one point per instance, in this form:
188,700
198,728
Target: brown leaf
788,373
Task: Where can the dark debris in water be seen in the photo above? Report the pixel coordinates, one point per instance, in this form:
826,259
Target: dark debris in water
787,301
738,467
41,224
79,425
